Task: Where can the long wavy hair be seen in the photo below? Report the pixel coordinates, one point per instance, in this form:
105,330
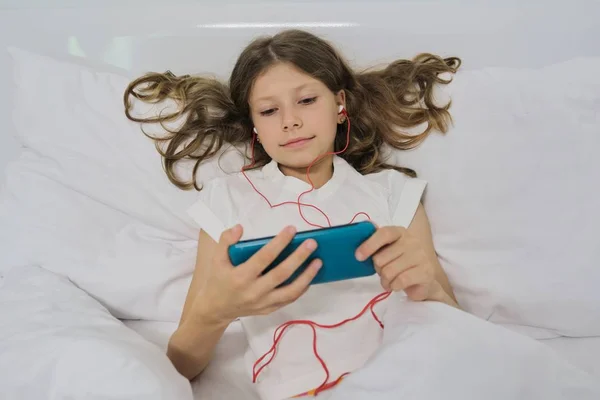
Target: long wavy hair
381,103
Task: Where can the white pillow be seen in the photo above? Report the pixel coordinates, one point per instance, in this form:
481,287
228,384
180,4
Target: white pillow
54,335
88,197
514,195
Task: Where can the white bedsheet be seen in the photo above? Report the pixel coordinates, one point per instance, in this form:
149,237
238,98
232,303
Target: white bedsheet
432,351
226,378
582,352
57,342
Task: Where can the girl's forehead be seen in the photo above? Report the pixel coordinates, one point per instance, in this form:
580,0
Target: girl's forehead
280,78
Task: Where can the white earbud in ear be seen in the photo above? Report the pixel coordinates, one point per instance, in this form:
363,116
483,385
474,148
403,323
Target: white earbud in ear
340,109
255,131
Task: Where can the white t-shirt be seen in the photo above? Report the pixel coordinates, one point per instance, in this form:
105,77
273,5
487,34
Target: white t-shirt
388,197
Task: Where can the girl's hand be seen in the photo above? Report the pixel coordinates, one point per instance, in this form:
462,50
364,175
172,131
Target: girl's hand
229,292
403,263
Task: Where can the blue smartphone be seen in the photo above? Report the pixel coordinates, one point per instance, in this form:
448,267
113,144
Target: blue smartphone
336,248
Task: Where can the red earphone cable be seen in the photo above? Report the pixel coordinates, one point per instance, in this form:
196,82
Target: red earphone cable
297,202
283,327
277,335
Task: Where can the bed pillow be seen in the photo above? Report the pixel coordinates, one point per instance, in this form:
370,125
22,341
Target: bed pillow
514,195
88,198
59,343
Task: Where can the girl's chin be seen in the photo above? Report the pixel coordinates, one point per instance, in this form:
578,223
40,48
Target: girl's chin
306,159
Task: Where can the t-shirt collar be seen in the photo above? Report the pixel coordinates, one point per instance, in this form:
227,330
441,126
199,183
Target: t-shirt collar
296,186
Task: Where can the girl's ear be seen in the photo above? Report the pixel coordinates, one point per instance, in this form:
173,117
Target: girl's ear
340,98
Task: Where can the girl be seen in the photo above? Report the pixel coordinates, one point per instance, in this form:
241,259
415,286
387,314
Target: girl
318,132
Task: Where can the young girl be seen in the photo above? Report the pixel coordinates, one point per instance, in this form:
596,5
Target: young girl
318,132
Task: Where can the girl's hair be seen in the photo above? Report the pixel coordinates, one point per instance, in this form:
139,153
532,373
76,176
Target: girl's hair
379,102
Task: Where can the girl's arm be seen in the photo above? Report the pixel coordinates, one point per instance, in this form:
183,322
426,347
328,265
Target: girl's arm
191,346
421,229
219,293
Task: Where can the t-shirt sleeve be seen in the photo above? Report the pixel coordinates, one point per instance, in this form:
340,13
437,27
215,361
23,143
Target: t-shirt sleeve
405,197
213,210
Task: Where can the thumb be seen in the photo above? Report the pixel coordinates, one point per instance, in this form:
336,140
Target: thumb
228,238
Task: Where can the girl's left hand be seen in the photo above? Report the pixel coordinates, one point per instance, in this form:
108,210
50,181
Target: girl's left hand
402,262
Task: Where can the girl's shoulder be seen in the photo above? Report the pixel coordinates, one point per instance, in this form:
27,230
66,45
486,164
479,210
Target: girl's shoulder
392,181
228,180
218,204
403,194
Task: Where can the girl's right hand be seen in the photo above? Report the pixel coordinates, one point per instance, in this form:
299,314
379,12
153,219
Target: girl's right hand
229,292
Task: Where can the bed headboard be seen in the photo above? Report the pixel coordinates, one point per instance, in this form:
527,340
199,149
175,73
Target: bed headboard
205,36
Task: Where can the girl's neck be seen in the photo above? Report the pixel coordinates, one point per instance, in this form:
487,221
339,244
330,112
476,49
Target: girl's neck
320,172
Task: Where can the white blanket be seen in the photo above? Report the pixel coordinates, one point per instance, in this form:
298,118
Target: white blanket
56,342
433,351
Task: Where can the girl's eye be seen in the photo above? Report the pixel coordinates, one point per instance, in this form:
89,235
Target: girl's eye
308,101
271,111
267,112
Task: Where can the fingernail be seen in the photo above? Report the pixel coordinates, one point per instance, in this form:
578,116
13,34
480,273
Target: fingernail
311,244
318,264
236,229
291,230
359,256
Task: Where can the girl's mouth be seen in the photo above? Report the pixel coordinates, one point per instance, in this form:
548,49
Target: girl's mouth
298,142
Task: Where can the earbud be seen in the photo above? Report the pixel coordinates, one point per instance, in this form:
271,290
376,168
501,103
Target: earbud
256,134
340,109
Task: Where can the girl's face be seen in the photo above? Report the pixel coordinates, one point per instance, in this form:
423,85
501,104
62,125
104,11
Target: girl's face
295,115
